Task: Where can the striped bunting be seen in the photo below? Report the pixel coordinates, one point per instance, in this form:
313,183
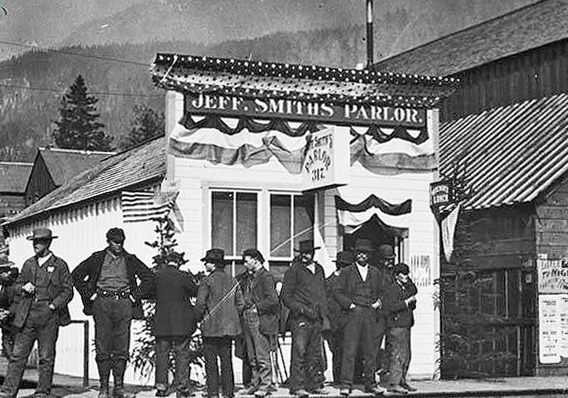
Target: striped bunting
146,206
394,215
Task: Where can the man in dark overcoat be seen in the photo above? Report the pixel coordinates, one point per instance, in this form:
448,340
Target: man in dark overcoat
400,302
42,291
385,262
358,290
260,319
337,316
303,292
175,324
108,284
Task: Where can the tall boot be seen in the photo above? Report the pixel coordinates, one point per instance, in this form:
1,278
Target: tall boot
118,369
104,374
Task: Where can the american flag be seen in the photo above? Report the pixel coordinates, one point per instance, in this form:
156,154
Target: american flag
146,206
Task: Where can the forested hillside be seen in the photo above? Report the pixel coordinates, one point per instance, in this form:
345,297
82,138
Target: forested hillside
119,75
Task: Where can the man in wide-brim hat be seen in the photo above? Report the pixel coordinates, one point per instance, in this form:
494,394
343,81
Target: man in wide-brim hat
303,292
43,290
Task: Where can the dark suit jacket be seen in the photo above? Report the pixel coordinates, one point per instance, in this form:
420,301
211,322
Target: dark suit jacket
59,290
304,293
86,275
346,283
400,316
265,299
174,311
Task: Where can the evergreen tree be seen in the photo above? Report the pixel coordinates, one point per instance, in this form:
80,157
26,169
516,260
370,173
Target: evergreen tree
146,124
78,126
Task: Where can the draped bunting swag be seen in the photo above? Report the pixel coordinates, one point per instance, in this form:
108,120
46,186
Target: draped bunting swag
251,142
388,214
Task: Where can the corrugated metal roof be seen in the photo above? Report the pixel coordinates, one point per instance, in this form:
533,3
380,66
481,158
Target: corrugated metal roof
223,76
113,174
529,27
513,153
64,164
14,177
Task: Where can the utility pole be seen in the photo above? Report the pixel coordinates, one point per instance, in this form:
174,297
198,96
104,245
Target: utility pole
370,34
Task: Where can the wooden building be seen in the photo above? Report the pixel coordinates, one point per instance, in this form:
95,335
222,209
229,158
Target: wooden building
53,167
507,124
13,179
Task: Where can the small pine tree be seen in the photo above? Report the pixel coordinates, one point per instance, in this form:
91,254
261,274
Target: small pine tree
78,126
146,124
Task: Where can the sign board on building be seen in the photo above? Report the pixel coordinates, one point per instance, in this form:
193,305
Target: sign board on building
440,193
353,114
327,159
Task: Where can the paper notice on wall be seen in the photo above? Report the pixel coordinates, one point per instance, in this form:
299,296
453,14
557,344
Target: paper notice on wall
552,275
563,315
550,328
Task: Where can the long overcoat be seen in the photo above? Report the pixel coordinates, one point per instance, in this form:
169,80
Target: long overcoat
174,311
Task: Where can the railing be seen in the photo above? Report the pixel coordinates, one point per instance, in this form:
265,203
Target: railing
85,350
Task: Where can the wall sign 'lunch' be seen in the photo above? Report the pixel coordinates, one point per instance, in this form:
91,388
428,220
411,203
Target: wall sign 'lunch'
313,110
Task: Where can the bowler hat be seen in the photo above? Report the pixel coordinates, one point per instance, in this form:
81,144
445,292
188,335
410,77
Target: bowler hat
307,246
345,257
400,268
254,253
215,255
385,251
41,233
116,235
363,245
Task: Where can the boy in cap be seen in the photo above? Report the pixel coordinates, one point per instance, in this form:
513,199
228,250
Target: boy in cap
303,292
260,319
400,302
42,291
108,284
219,303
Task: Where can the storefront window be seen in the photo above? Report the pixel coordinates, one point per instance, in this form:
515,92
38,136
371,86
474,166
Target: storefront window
234,221
290,222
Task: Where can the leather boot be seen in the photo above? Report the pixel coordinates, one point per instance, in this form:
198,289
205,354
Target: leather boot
118,369
104,374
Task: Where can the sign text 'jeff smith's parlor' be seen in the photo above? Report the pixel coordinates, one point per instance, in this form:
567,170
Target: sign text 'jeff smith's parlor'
298,109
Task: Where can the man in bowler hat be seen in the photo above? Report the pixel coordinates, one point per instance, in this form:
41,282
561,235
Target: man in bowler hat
219,303
337,317
43,290
358,291
303,292
175,324
108,284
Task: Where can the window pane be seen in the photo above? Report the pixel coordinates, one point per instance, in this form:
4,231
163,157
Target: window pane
303,224
222,221
280,226
246,221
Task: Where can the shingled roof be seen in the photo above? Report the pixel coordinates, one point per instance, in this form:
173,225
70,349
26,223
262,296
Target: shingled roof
513,154
14,177
524,29
132,168
271,80
64,164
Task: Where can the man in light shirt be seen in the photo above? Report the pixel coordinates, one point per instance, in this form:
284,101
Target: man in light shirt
43,290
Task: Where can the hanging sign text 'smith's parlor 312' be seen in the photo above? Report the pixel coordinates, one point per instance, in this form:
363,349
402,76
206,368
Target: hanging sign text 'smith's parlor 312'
361,113
326,162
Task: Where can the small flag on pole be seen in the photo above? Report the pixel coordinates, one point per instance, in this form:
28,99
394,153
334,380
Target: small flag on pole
146,206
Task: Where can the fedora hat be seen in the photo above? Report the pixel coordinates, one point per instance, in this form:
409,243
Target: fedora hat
385,251
215,255
345,257
363,245
307,246
41,233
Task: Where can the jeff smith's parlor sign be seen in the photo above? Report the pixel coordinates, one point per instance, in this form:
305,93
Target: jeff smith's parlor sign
304,110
